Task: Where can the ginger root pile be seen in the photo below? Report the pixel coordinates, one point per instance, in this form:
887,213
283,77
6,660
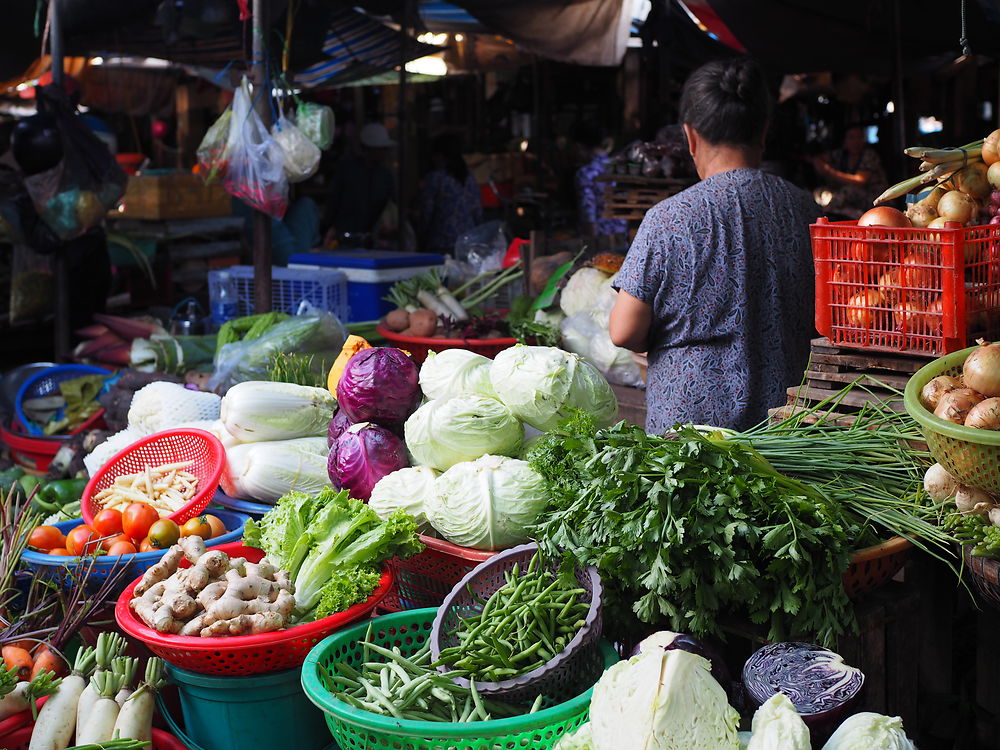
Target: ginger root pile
215,596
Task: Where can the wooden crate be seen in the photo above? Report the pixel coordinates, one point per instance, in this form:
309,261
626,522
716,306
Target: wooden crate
177,195
832,368
630,196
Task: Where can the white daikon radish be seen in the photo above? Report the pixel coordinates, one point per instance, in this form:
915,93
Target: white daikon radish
57,719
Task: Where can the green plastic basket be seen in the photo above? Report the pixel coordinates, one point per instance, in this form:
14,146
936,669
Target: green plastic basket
354,729
971,456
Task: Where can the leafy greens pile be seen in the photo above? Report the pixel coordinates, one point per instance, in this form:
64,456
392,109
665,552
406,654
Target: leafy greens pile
332,545
693,529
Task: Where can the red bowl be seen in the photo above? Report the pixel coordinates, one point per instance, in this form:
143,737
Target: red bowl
243,654
169,446
20,739
419,346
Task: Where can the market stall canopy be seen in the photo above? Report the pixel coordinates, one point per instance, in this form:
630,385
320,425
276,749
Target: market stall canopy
850,36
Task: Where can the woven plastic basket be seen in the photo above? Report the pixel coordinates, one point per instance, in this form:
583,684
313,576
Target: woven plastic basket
355,729
242,654
971,456
873,566
985,577
426,579
59,569
46,383
203,449
561,676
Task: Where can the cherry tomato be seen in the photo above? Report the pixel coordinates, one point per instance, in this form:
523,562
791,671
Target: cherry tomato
146,546
164,533
197,526
60,551
122,548
137,519
46,538
108,542
82,540
108,522
218,527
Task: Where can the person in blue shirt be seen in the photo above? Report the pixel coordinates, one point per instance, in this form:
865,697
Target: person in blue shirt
590,192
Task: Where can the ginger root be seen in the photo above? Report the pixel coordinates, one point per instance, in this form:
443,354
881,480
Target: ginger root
215,596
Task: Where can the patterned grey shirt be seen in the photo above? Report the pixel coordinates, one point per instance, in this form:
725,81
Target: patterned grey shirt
727,267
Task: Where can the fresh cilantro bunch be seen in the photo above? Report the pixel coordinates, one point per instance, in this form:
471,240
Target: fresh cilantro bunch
689,530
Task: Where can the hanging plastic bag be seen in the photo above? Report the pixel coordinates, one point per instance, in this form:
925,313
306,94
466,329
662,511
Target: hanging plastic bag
74,195
256,170
483,247
31,290
212,157
301,154
316,121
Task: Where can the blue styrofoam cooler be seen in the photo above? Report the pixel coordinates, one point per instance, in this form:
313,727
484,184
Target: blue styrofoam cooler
370,275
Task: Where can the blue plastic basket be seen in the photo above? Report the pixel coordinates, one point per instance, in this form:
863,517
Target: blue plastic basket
323,288
46,383
252,509
58,568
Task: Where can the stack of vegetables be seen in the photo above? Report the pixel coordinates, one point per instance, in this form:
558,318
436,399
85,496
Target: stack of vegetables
109,339
470,430
667,697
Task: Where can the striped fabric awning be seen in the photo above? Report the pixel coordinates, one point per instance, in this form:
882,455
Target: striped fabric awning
443,16
358,47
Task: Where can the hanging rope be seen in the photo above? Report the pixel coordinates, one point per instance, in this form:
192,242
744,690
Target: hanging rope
964,40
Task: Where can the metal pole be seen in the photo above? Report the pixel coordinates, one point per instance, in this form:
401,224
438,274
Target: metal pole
261,221
403,154
60,274
899,111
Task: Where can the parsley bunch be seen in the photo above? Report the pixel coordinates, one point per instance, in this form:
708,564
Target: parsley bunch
688,531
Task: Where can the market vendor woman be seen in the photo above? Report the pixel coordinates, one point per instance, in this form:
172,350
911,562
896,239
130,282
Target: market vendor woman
718,284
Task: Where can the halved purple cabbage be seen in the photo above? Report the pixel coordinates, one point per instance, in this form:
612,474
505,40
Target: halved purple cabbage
338,425
816,680
362,455
379,385
667,640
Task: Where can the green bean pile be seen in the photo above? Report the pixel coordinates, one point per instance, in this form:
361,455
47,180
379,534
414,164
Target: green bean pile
410,689
975,531
523,625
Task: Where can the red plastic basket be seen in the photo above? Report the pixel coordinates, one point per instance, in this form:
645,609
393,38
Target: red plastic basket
33,454
419,346
925,291
426,579
20,739
243,654
170,446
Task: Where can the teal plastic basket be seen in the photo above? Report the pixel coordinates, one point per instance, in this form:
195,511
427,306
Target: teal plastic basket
354,729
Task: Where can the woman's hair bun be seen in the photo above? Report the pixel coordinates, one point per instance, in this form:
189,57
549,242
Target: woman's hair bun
727,101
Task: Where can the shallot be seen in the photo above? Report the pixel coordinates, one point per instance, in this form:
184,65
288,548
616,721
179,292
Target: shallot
981,370
955,406
972,500
939,484
985,415
930,394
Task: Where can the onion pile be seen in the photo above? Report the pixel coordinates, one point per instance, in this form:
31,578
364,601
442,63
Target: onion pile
974,399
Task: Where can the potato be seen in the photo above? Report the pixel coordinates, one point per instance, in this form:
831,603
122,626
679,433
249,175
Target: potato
397,320
423,323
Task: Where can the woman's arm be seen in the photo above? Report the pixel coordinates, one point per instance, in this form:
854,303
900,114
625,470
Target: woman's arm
630,322
825,169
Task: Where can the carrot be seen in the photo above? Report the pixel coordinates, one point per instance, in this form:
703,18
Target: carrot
48,658
17,658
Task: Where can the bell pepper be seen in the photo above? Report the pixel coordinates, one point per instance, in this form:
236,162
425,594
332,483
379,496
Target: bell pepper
27,484
61,492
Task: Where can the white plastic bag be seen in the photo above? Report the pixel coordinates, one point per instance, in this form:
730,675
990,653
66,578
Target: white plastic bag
317,123
301,154
586,334
212,155
256,167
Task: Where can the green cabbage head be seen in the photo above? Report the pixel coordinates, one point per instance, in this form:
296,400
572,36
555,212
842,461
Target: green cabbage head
778,726
868,731
542,385
453,372
407,489
662,700
448,431
487,504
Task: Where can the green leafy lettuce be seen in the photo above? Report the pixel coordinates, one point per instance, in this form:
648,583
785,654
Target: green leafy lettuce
332,545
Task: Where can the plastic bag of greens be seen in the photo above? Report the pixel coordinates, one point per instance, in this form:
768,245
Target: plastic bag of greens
314,332
317,123
212,157
255,172
301,154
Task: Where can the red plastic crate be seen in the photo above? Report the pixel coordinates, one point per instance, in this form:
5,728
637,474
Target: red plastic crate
923,291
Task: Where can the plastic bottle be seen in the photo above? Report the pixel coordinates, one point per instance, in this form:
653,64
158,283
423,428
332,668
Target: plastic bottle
224,299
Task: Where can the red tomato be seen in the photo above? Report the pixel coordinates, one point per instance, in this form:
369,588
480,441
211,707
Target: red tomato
122,548
46,538
82,540
146,546
108,542
60,551
137,519
197,526
108,522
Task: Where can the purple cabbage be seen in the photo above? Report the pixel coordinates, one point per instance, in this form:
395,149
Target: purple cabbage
338,425
816,680
379,385
362,455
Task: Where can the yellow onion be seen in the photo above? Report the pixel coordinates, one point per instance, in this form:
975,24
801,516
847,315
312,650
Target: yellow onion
990,145
859,308
930,394
972,180
985,415
993,175
955,406
956,206
981,370
906,316
921,214
888,285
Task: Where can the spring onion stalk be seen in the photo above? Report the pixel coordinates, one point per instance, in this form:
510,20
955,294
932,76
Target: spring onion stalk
974,150
433,283
475,280
505,277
